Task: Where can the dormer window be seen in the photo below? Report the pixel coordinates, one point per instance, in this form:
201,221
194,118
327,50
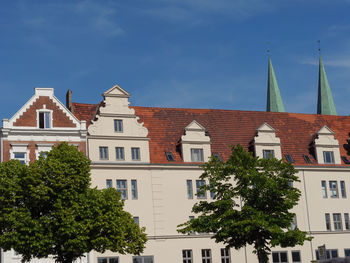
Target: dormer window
118,125
44,120
197,155
268,154
169,156
328,157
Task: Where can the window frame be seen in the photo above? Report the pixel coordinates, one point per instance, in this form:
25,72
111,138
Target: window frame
118,125
45,121
279,256
109,183
333,191
187,258
268,153
119,151
328,221
143,258
346,221
134,190
197,155
122,190
135,152
199,193
22,160
296,251
108,259
225,255
343,189
103,153
330,157
337,222
324,188
189,188
206,258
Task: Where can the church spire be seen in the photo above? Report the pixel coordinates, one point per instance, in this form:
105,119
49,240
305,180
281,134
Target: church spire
274,99
325,103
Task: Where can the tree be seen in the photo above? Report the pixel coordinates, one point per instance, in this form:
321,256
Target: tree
253,199
48,208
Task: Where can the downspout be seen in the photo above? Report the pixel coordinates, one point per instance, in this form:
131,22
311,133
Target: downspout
308,216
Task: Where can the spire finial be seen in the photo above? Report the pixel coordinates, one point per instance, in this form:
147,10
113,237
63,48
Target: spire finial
268,48
319,46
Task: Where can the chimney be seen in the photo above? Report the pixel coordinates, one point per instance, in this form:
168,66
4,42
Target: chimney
69,101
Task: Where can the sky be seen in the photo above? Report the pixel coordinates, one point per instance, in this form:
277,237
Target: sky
175,53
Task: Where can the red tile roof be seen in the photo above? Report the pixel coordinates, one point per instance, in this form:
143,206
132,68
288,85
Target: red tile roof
230,127
83,111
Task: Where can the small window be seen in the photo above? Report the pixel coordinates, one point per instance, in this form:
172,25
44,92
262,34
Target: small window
307,158
217,156
268,154
44,120
342,189
103,153
347,252
20,156
280,257
328,157
225,255
201,194
324,189
337,221
142,259
294,224
169,156
333,189
187,256
296,258
136,220
118,125
108,260
289,158
328,221
345,160
197,155
206,256
346,221
135,154
134,194
119,153
189,189
108,183
122,188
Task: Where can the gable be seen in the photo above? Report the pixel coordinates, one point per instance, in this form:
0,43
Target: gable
194,126
325,131
116,91
28,118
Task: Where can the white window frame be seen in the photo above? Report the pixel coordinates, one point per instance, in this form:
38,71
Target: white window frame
20,148
343,189
268,153
134,190
42,147
205,257
225,255
203,195
333,191
143,258
346,221
328,221
279,256
296,251
122,190
44,110
105,155
99,259
109,183
197,155
337,222
189,188
331,157
119,151
118,125
135,154
187,256
324,188
136,220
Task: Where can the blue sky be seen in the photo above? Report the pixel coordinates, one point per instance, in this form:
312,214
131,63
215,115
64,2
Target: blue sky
174,53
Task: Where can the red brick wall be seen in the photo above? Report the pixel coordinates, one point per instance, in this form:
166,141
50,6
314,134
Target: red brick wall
32,147
28,118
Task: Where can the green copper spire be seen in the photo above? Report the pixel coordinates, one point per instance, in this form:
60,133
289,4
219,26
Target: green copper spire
274,100
325,103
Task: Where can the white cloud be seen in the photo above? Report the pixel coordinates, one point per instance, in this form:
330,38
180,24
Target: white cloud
337,62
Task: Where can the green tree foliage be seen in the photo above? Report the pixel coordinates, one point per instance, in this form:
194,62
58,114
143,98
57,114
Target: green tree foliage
48,208
253,199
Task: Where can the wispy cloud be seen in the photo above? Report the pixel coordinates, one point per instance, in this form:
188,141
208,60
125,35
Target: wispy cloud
337,62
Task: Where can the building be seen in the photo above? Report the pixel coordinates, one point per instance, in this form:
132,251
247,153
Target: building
153,156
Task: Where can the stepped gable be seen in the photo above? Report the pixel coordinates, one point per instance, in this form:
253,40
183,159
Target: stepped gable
29,118
84,111
230,127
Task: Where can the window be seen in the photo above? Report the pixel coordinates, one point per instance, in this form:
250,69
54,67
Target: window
346,221
225,255
108,260
324,189
118,125
189,189
328,221
108,183
136,220
333,189
187,256
191,232
280,257
217,156
328,157
169,156
268,154
212,192
119,153
347,252
135,154
197,155
330,253
342,189
346,161
201,194
294,224
289,158
44,120
206,256
20,156
122,188
337,221
142,259
134,189
103,153
296,258
307,158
